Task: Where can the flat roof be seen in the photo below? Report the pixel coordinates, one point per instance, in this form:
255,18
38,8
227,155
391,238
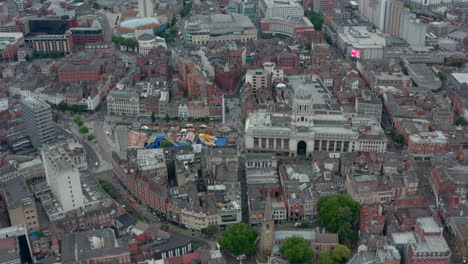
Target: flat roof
461,77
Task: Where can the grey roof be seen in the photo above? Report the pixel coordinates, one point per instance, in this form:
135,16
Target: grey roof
219,24
17,192
78,246
125,221
146,36
34,103
173,242
9,256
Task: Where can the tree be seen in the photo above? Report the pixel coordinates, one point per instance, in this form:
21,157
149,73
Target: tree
173,30
243,119
325,258
206,120
328,39
341,253
226,108
167,118
460,121
77,119
153,118
210,231
308,46
96,5
339,214
297,250
84,130
165,144
62,106
315,18
91,137
239,239
442,75
173,21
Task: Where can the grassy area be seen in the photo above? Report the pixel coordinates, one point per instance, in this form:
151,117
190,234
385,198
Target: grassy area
107,187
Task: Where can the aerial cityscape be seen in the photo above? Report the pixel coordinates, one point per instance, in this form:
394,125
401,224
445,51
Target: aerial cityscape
234,131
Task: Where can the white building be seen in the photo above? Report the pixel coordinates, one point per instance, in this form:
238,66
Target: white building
280,9
412,31
13,37
362,43
147,42
123,102
145,8
303,130
3,104
63,178
258,78
182,111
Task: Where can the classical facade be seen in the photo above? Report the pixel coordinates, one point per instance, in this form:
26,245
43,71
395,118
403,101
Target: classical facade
312,125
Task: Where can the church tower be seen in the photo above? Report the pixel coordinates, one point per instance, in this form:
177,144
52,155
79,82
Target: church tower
268,229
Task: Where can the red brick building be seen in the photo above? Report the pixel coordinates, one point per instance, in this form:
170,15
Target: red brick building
431,247
81,71
371,219
425,144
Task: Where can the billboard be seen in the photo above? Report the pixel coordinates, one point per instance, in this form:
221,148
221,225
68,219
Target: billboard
355,53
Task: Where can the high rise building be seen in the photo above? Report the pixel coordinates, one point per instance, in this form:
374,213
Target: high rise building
393,13
37,116
145,8
63,177
412,30
374,11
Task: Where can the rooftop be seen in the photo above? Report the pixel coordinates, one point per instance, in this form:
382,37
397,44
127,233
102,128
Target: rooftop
139,22
17,193
82,246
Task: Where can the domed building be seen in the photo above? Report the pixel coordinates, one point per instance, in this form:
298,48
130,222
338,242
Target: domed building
147,42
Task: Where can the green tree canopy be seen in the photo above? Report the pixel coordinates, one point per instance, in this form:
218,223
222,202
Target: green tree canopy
316,19
339,214
325,258
460,121
239,239
153,118
297,250
341,253
84,130
91,137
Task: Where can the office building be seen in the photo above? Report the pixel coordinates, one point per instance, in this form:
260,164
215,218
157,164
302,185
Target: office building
280,9
258,78
38,123
20,204
439,29
201,29
412,31
51,43
291,27
242,7
145,8
393,13
62,177
374,11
